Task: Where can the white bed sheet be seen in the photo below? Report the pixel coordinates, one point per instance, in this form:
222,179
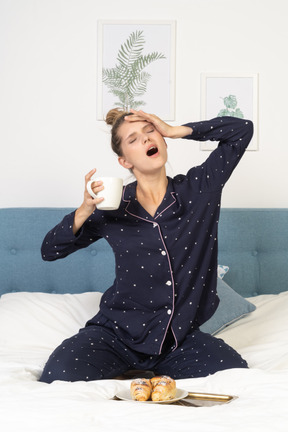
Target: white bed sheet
262,390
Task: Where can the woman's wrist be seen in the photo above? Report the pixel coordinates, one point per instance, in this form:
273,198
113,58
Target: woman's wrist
81,215
180,131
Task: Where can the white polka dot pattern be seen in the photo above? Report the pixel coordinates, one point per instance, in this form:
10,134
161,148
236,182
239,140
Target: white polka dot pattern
166,265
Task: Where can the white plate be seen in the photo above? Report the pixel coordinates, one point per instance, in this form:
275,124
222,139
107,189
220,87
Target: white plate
126,396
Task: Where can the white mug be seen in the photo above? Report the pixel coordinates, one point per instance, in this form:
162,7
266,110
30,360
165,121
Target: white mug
112,192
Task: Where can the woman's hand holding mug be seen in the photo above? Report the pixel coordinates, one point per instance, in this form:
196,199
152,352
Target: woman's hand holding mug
106,191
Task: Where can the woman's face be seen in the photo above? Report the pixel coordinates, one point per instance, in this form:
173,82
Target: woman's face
143,147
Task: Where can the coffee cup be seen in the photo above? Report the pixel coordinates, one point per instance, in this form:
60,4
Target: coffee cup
112,192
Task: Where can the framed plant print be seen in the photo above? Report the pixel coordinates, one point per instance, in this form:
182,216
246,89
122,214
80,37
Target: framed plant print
234,95
136,67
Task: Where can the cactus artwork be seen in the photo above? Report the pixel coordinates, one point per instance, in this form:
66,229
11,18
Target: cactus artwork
128,80
230,109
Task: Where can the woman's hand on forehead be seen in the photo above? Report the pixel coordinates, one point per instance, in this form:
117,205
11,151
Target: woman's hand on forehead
163,128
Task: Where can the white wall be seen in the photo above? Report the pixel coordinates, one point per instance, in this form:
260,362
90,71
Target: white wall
49,135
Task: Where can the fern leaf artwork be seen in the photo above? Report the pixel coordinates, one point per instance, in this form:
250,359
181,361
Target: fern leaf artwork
230,109
128,80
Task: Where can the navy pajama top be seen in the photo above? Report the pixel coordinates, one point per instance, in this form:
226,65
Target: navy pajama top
166,265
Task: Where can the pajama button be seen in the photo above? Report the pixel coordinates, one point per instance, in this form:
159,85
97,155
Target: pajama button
169,311
169,283
163,253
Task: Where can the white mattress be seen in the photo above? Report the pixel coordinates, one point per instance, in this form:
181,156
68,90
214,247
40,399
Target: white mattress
262,390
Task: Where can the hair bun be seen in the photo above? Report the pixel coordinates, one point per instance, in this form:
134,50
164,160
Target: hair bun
113,115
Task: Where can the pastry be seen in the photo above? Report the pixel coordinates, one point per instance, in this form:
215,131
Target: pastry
163,388
141,389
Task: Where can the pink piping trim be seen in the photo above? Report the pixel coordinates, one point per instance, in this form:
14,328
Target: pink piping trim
169,262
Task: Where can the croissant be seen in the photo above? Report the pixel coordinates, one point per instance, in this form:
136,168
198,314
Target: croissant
163,388
141,389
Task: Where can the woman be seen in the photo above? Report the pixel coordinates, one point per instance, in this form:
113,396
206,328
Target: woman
164,237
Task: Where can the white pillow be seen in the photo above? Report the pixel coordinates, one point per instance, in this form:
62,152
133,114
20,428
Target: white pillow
40,320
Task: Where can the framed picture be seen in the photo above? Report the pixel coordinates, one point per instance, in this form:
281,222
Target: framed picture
230,95
136,67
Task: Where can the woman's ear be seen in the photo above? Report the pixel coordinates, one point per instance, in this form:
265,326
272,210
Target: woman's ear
124,163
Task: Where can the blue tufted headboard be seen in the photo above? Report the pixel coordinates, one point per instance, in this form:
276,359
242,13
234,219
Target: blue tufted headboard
252,242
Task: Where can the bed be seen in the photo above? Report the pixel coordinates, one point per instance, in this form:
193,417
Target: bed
42,303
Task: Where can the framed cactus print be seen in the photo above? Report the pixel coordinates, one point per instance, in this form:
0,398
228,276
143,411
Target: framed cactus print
234,95
136,67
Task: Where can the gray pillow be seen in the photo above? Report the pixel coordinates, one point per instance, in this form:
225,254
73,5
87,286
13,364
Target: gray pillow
232,307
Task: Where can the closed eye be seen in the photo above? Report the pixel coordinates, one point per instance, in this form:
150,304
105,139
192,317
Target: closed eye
132,140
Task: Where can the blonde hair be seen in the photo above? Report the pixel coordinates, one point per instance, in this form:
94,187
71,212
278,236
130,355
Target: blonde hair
115,117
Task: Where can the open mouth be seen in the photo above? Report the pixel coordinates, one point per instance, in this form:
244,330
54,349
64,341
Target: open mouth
152,151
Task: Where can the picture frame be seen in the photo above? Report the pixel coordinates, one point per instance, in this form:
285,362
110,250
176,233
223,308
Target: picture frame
233,94
136,66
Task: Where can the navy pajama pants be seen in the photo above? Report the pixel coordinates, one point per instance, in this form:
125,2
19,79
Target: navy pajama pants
95,353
